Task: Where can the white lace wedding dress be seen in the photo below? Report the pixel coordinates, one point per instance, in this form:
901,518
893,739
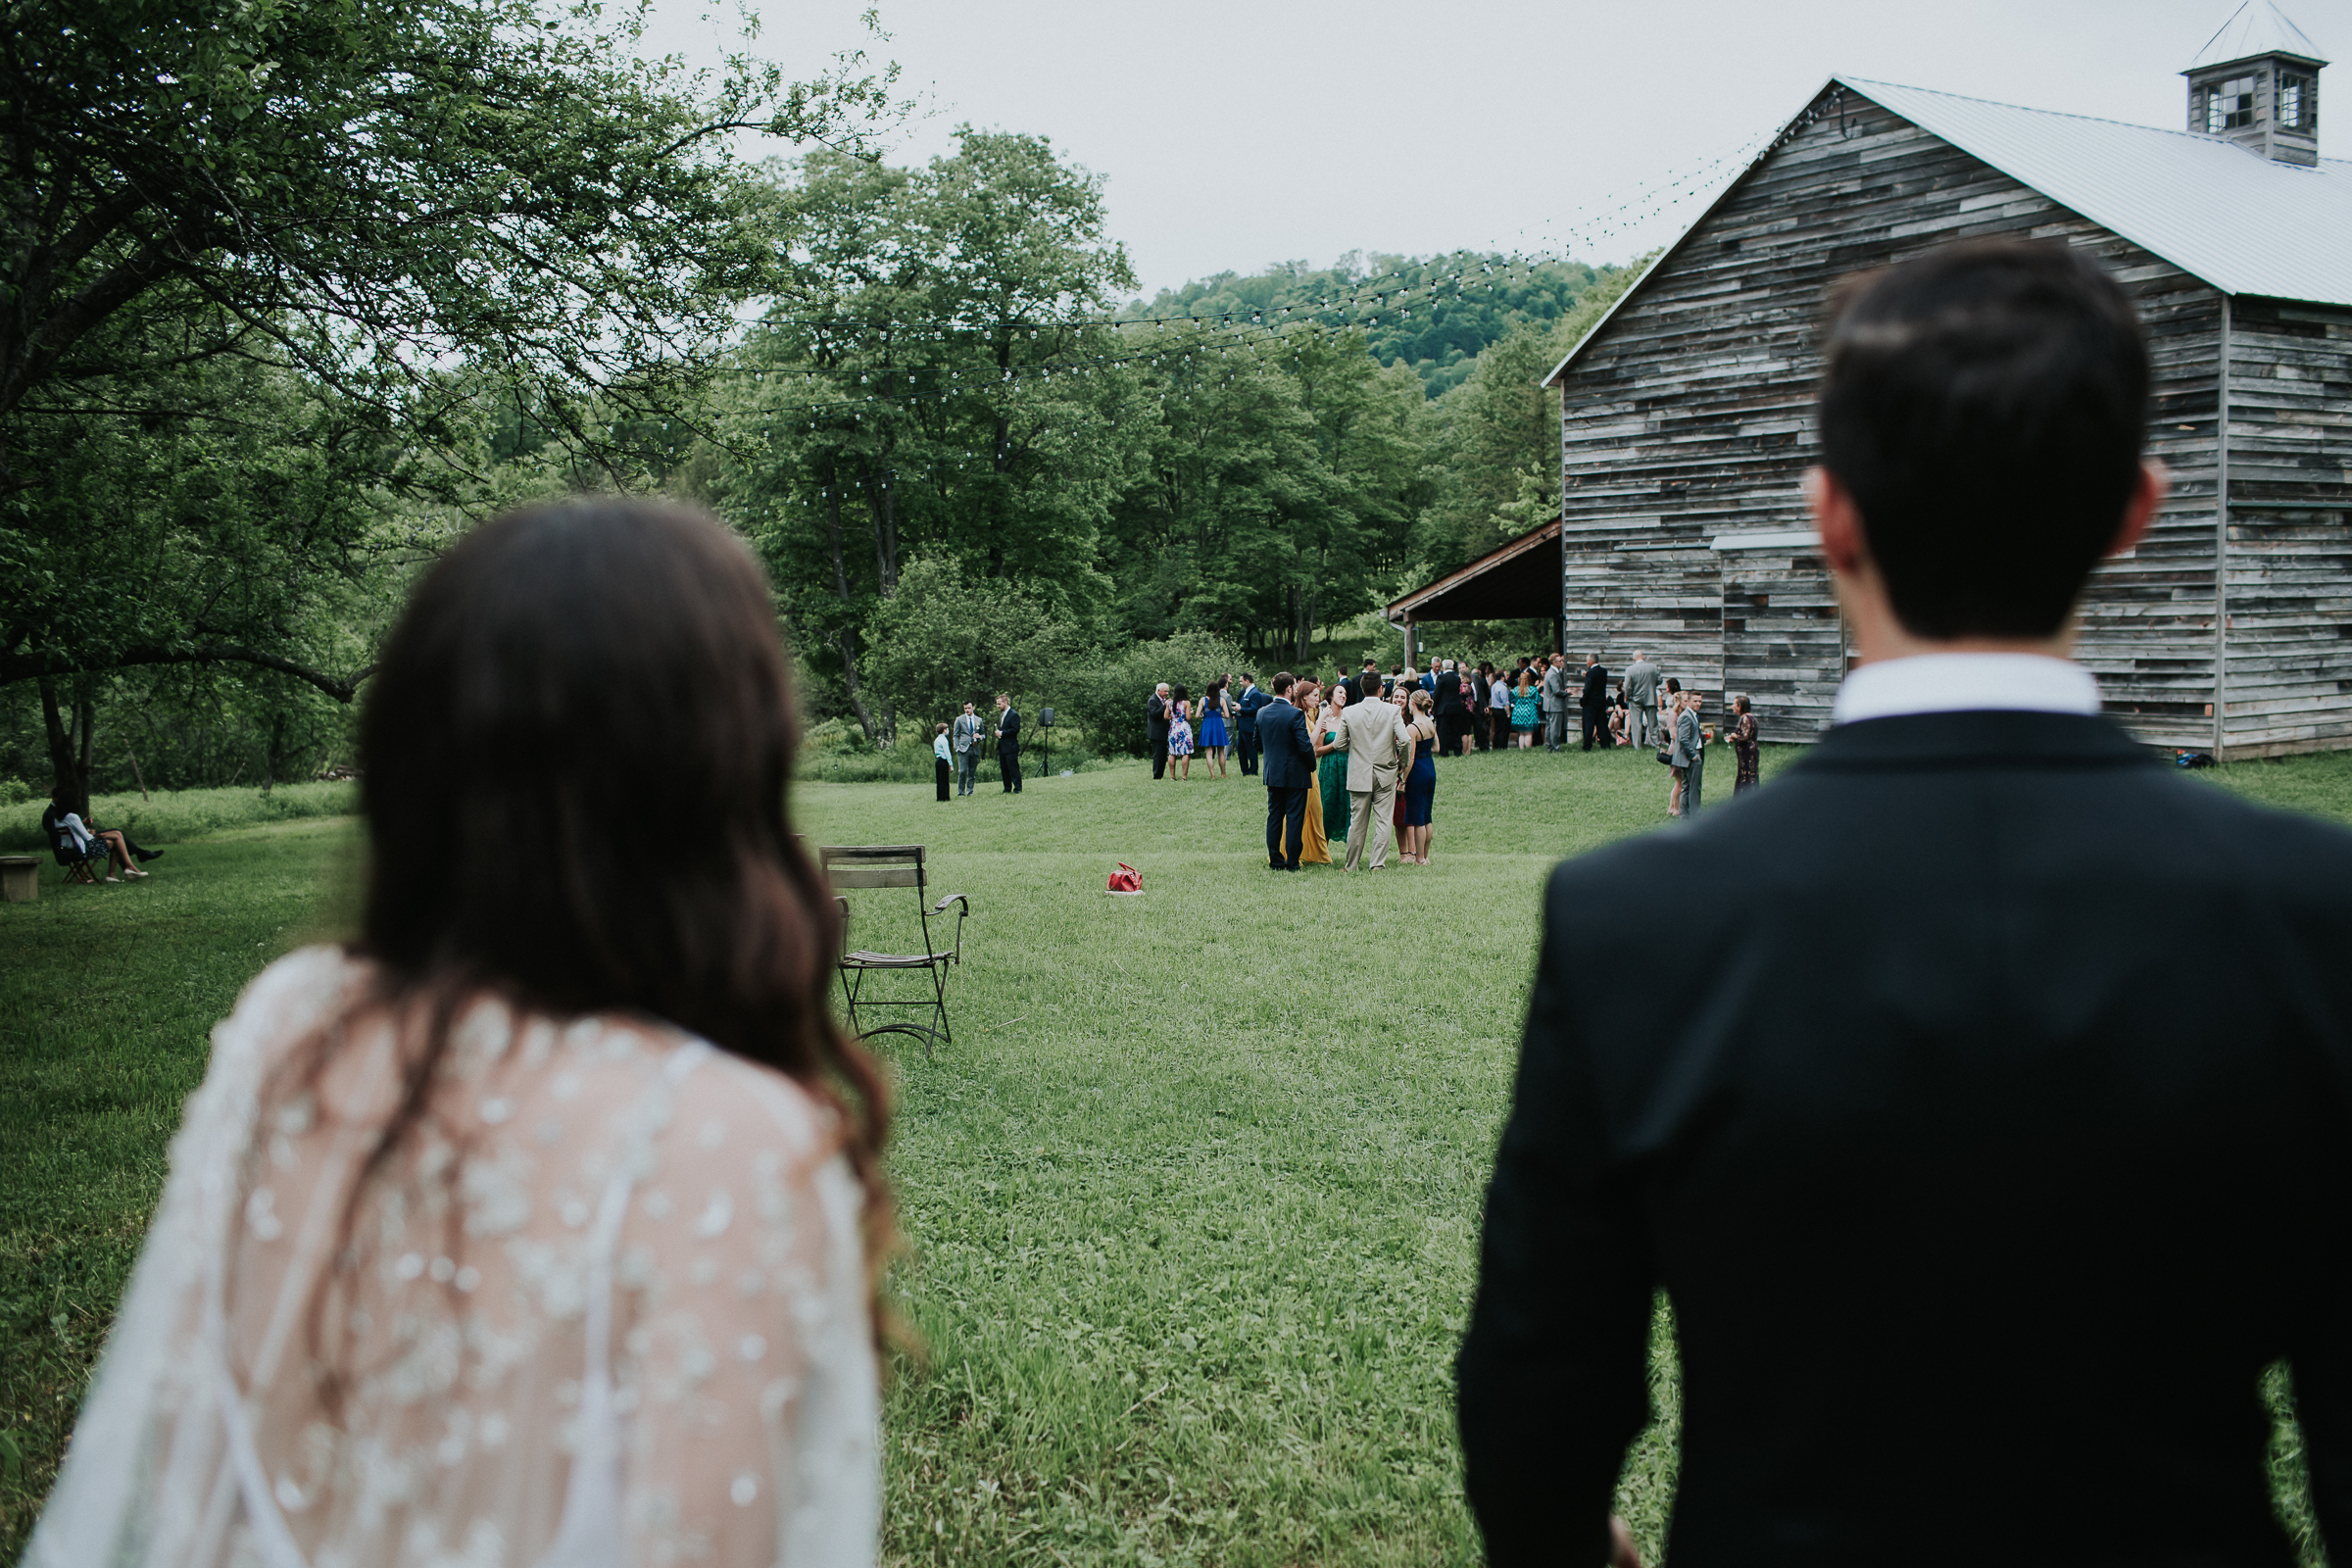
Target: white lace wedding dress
613,1314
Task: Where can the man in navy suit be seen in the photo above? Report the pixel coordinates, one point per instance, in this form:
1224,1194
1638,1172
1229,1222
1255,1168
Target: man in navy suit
1253,698
1288,760
1999,1137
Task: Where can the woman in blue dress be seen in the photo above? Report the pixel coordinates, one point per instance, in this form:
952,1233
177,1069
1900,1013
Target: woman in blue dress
1420,782
1213,737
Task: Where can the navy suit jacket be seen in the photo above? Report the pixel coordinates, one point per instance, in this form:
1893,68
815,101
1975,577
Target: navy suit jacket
1287,752
1999,1138
1250,701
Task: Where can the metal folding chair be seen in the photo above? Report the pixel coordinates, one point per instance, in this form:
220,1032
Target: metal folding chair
895,865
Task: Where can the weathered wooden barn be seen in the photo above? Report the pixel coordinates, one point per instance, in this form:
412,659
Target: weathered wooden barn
1686,416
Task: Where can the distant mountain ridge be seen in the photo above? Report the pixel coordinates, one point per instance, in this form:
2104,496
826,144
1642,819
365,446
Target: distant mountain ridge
1483,297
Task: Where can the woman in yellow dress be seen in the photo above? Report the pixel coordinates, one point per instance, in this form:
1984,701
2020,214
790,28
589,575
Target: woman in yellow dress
1314,849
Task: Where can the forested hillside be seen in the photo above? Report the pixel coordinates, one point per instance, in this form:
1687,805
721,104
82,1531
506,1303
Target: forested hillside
1445,312
929,396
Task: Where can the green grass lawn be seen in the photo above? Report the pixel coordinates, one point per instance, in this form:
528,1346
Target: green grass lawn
1192,1200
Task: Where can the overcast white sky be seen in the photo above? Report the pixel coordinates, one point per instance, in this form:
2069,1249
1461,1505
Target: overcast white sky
1238,132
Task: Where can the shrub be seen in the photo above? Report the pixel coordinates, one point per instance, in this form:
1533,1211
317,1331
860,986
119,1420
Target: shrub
944,638
1105,695
168,816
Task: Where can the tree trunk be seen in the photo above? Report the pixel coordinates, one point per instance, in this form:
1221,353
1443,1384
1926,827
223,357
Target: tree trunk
69,780
882,498
86,715
844,641
274,752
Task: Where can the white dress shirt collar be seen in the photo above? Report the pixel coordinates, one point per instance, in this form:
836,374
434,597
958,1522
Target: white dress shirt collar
1951,683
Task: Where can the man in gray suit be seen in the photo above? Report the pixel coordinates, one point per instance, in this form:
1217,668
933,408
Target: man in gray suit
1556,703
1371,734
1641,700
966,742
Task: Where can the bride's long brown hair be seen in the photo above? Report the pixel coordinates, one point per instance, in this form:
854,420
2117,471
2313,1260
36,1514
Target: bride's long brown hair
576,756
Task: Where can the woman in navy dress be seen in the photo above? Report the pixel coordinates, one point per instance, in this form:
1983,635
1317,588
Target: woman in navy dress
1420,790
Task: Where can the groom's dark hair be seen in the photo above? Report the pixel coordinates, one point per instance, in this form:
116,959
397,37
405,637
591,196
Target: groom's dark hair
1986,404
1283,683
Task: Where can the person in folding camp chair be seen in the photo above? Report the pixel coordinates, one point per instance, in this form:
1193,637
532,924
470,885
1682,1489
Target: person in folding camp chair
76,842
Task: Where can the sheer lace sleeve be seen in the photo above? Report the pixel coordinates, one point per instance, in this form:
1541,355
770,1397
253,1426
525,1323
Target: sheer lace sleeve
748,1365
609,1311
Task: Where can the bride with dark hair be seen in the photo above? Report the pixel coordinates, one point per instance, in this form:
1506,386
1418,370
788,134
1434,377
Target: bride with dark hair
540,1223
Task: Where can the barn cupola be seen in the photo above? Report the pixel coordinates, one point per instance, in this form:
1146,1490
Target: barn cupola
2257,84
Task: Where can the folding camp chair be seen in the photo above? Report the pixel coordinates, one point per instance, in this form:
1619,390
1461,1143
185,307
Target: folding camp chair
75,861
895,865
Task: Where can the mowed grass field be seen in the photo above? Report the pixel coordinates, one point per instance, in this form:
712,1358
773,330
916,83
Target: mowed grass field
1190,1203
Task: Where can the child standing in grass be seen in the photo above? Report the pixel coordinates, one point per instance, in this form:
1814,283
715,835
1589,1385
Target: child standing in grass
940,765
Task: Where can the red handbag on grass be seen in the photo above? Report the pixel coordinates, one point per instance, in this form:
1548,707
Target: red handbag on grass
1126,879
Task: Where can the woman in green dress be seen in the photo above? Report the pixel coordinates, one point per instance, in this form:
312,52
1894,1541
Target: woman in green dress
1331,774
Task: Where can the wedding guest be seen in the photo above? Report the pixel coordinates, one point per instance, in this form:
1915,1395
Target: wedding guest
964,741
1372,735
1289,773
1331,772
1527,709
1592,704
1179,734
1419,794
1156,728
1702,734
1687,756
1314,846
64,827
1555,687
1641,700
939,754
487,1228
1009,743
1216,713
1451,706
1747,748
1498,710
1245,710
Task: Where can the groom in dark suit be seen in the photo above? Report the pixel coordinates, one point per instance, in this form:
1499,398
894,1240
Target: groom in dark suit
1997,1133
1288,755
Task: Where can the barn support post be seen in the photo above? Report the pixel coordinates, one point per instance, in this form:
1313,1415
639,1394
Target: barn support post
2220,541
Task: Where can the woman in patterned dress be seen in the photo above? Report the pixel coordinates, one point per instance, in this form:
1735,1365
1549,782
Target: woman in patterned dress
1747,748
1179,734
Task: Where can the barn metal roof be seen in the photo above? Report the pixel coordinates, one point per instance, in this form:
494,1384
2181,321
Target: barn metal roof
2259,27
2233,218
2228,216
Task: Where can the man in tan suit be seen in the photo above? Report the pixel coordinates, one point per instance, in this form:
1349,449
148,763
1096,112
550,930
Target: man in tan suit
1370,733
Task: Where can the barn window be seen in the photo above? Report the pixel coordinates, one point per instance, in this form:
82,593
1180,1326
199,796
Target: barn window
2298,105
2229,104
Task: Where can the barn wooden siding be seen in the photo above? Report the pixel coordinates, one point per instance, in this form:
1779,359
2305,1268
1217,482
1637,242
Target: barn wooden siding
1689,418
2288,664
